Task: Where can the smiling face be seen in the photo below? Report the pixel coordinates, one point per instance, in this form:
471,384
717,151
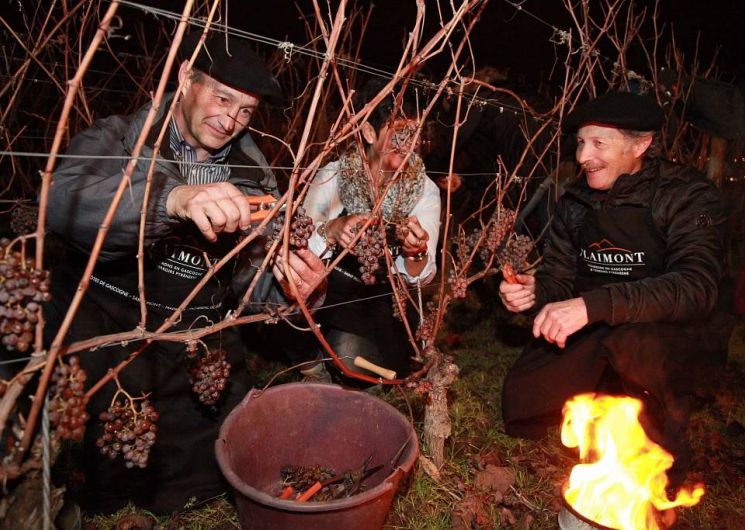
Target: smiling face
605,153
211,114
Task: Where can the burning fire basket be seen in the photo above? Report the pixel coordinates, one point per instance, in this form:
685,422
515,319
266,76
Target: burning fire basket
620,482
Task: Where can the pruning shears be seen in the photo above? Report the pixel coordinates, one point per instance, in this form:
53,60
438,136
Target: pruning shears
261,206
356,477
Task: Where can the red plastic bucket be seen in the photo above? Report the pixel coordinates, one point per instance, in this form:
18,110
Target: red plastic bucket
308,424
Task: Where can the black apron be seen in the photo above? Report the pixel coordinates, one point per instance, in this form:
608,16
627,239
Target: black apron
619,244
182,466
365,311
173,267
654,361
355,319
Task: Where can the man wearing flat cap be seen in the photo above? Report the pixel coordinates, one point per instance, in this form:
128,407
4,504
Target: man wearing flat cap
625,299
196,209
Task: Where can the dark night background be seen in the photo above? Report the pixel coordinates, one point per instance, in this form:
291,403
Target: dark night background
505,37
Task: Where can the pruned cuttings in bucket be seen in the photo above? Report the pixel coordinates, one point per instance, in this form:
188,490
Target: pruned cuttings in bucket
334,427
321,483
302,478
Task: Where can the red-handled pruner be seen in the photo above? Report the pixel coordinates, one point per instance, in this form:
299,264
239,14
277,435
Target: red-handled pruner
509,273
261,205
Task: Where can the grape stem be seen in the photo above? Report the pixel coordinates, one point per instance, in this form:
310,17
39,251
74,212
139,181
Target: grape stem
131,400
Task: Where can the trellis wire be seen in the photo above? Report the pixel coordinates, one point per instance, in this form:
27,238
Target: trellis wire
29,154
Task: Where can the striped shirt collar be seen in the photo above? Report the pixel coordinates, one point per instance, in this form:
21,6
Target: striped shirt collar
214,169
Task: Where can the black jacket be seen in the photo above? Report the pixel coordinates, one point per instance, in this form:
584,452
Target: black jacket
84,185
687,213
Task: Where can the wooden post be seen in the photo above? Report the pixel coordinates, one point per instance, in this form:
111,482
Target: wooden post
716,164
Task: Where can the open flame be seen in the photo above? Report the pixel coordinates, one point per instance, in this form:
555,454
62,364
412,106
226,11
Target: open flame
621,481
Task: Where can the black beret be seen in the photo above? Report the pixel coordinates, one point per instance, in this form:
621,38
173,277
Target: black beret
623,110
232,62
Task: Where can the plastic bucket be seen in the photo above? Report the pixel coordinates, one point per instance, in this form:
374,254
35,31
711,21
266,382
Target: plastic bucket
307,424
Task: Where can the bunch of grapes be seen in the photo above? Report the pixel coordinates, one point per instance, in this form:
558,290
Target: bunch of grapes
396,310
208,376
67,408
465,244
426,330
129,430
400,231
23,219
458,285
369,249
301,228
22,289
462,250
516,252
499,227
473,239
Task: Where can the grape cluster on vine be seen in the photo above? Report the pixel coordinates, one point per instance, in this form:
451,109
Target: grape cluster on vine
426,330
208,376
500,225
458,285
396,309
369,249
23,219
301,228
400,231
67,410
464,245
22,289
516,252
130,430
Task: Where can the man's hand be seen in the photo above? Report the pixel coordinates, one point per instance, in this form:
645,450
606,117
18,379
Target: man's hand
520,296
342,230
416,238
559,320
214,208
306,269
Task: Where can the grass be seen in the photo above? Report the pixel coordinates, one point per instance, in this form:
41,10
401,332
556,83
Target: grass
478,447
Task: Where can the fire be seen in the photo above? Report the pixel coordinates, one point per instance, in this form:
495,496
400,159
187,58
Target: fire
621,481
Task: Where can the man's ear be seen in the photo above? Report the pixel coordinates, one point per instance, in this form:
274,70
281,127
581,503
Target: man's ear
184,73
641,145
368,133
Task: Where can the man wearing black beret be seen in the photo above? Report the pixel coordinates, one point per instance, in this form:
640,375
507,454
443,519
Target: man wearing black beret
625,298
196,209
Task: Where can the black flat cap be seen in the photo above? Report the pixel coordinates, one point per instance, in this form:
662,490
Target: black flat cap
623,110
232,62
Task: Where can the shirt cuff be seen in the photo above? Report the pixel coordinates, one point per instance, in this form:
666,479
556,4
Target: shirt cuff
424,277
599,305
